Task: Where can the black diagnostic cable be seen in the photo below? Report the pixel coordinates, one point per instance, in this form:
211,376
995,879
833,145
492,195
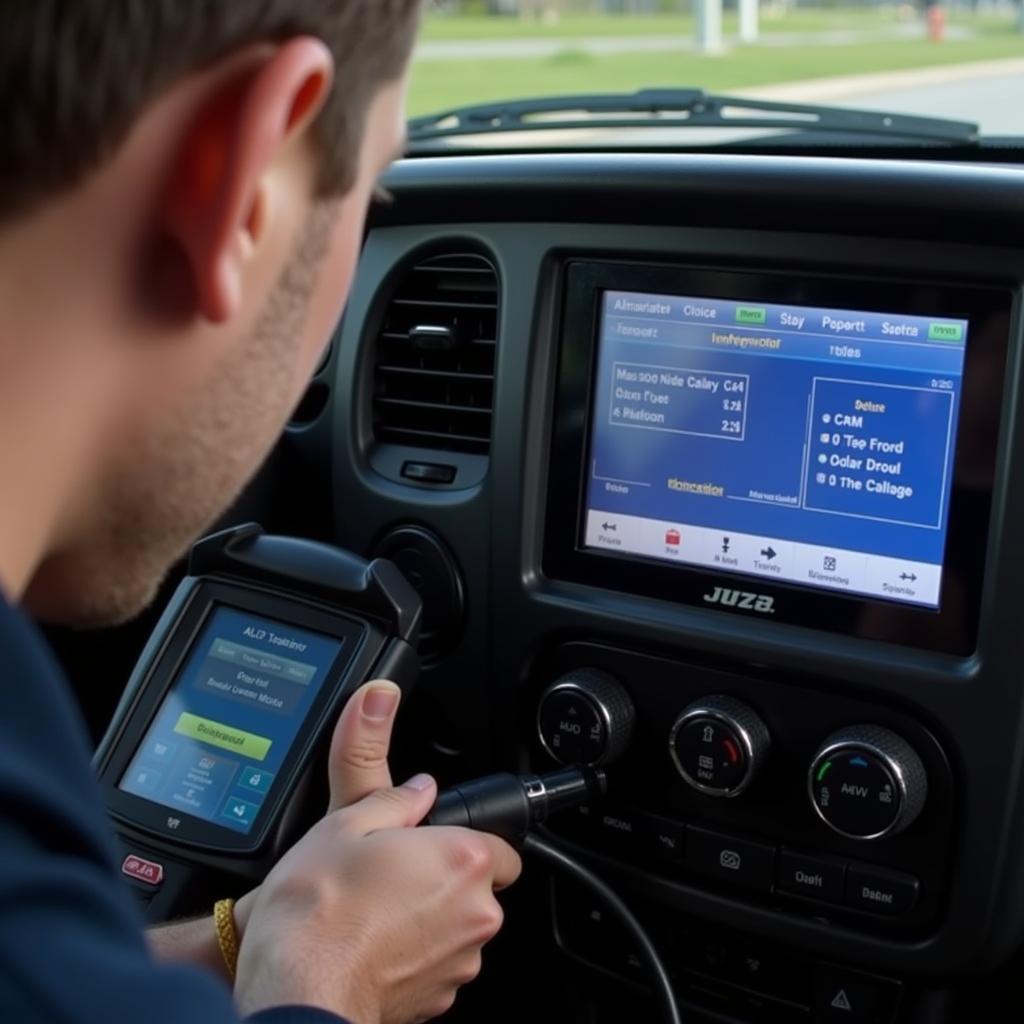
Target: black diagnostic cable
511,806
645,948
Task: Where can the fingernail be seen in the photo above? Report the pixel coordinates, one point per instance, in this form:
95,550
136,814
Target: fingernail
380,702
420,782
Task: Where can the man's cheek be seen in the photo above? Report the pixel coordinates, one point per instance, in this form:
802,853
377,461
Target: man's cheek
332,286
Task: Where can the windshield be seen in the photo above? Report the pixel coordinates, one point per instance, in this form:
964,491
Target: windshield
960,60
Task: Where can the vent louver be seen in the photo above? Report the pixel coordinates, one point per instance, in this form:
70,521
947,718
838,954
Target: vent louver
434,365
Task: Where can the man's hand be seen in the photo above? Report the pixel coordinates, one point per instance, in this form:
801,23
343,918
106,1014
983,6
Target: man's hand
358,766
367,916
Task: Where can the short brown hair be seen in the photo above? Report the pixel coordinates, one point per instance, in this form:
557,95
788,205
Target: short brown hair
77,73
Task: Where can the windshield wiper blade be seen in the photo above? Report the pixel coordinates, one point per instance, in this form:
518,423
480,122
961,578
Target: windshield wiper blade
682,108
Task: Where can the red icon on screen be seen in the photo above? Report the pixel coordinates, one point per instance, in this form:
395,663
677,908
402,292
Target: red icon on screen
673,538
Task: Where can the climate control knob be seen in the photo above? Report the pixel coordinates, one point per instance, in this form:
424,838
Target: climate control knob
718,744
866,782
586,717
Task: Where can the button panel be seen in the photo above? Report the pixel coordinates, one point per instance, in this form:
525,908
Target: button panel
675,849
716,969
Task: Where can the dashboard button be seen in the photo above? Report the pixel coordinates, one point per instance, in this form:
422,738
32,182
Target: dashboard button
866,782
811,876
585,929
853,998
759,966
719,745
734,860
711,755
428,472
585,717
621,826
571,727
881,892
578,822
664,838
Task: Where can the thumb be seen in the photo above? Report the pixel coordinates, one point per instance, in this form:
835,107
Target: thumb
358,762
399,807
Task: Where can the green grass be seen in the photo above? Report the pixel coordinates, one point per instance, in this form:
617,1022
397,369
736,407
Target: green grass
444,27
437,85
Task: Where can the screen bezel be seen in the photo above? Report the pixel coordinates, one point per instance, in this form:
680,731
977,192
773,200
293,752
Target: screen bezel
163,675
953,628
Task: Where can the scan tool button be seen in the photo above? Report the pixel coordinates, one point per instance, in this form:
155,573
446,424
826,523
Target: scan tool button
256,779
138,869
241,813
224,736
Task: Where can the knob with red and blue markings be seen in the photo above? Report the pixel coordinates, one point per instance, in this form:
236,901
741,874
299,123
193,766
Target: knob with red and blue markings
718,745
867,783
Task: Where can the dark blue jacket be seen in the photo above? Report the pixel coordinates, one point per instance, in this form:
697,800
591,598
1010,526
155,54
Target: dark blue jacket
71,943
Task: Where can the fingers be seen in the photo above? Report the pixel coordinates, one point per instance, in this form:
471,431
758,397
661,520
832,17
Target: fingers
400,807
506,863
358,762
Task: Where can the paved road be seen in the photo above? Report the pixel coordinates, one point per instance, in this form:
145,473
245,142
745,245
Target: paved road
996,103
990,93
490,49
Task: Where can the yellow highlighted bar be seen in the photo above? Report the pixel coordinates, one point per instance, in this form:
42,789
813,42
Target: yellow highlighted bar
247,743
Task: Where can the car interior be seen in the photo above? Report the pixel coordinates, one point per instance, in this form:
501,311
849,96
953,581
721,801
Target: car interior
702,467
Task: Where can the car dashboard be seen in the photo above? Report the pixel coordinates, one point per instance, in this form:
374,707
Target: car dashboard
553,372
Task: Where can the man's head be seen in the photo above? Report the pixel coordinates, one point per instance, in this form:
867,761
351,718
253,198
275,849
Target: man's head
182,193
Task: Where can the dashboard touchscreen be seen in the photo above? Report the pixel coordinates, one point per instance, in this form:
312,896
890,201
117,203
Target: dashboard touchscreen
809,445
225,727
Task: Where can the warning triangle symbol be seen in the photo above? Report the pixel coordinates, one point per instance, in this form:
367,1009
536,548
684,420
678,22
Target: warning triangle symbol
841,1001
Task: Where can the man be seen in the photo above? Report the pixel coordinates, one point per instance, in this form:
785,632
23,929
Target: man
183,185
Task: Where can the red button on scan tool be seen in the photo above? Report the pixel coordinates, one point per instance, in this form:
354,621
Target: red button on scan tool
142,870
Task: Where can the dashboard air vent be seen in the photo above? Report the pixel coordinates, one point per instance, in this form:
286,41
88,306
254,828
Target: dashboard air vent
434,365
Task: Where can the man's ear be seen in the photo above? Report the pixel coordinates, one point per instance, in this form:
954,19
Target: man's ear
216,199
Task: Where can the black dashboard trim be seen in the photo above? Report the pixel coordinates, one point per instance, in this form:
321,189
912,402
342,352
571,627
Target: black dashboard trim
722,190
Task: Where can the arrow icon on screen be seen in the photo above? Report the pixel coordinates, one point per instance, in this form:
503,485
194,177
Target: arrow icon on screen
768,553
908,576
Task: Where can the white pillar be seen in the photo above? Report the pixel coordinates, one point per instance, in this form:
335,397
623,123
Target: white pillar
709,25
748,21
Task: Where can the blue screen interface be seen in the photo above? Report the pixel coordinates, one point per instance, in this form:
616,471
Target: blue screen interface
223,731
808,445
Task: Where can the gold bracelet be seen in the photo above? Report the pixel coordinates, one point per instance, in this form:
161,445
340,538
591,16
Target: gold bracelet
227,933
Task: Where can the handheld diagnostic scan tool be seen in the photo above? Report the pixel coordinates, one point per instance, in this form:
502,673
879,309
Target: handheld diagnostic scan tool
234,695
